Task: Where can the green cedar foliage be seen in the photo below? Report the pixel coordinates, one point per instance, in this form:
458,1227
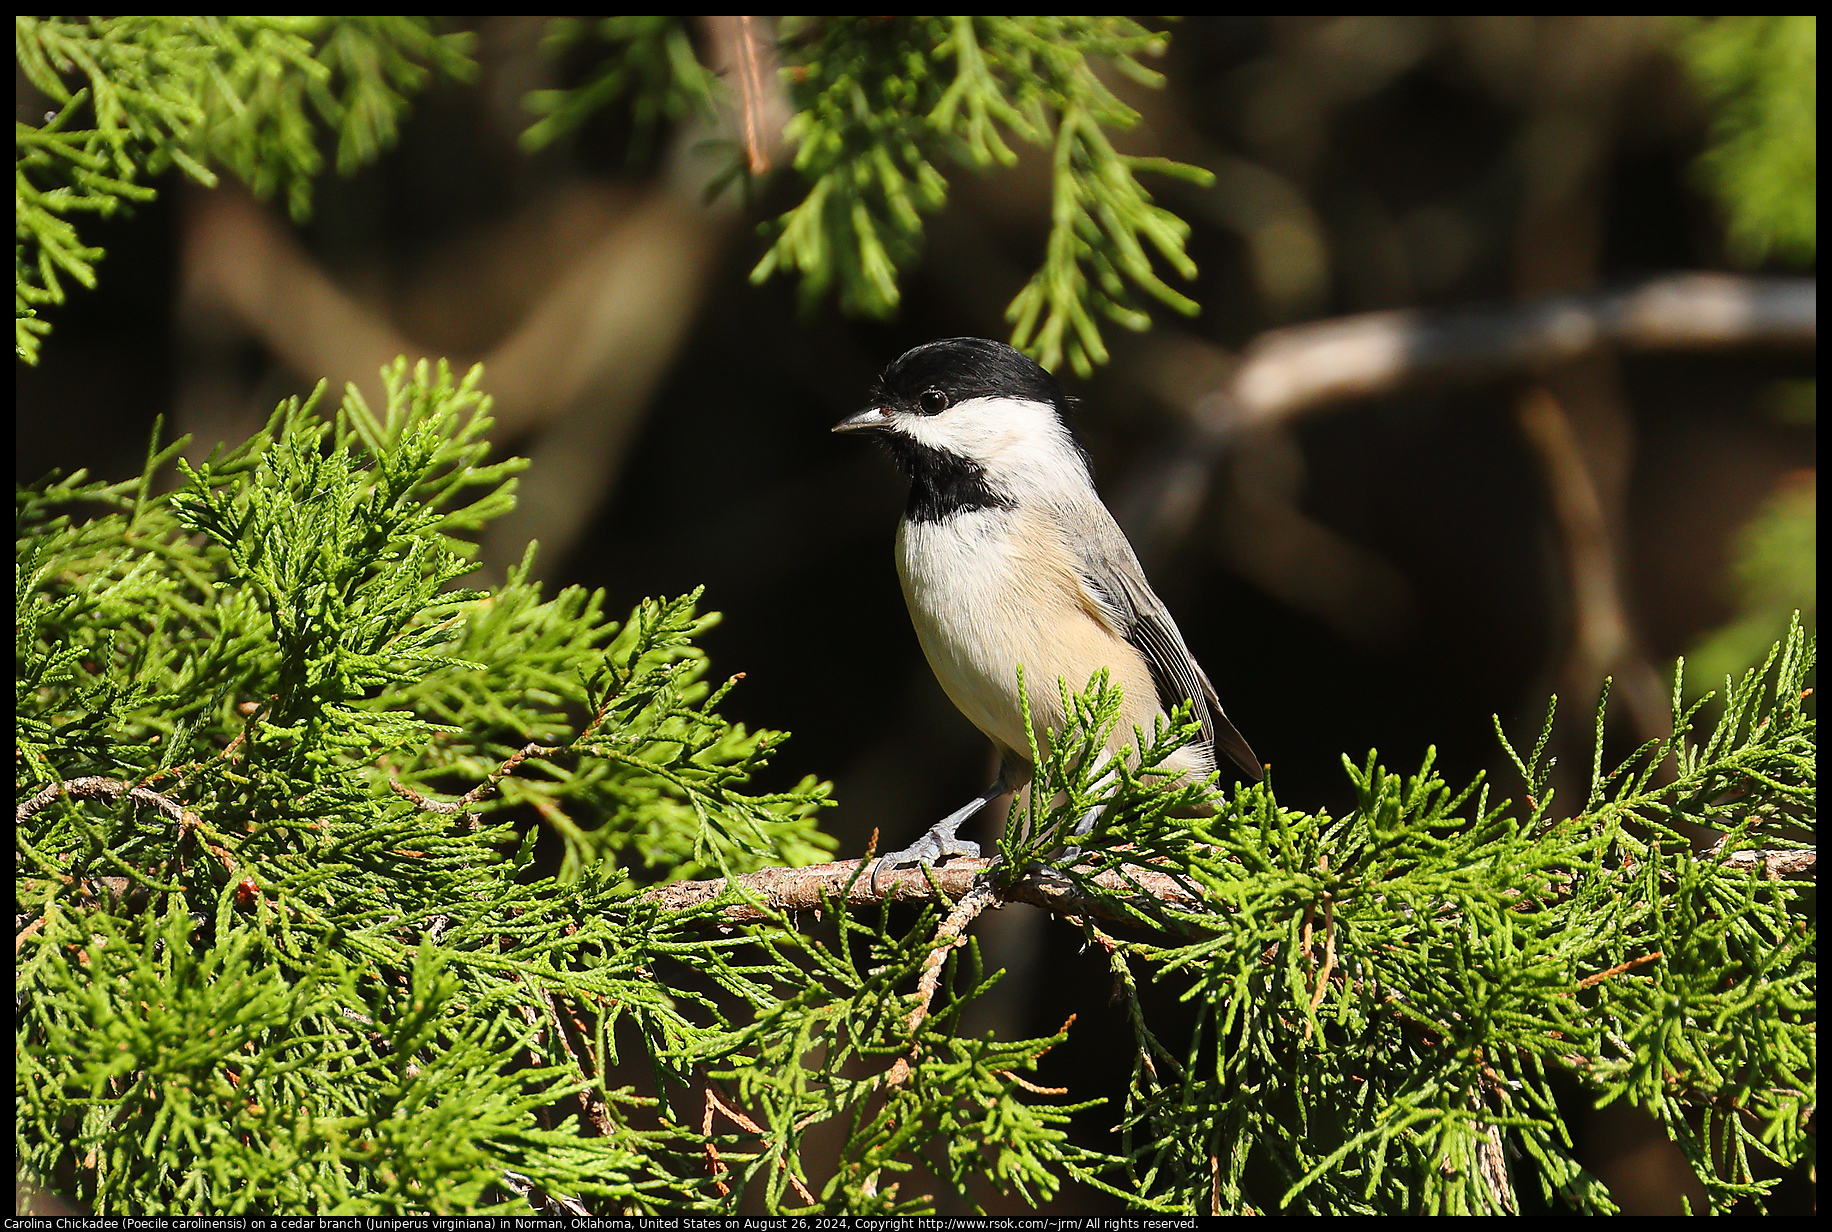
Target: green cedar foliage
1384,999
260,967
282,949
882,104
879,101
1762,74
651,63
133,95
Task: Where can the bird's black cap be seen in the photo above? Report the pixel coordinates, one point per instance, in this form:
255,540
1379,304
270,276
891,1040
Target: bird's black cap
964,368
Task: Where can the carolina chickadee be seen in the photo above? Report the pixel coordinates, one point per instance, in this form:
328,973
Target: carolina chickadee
1008,557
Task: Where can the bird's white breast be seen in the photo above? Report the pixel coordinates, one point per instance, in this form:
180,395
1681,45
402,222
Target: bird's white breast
992,588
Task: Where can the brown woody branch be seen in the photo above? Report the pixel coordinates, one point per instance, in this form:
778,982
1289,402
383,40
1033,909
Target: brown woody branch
1134,892
483,789
1292,370
1778,863
788,890
97,787
1591,981
515,759
1127,895
94,787
978,897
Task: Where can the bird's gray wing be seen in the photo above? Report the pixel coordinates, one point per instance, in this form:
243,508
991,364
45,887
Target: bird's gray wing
1116,581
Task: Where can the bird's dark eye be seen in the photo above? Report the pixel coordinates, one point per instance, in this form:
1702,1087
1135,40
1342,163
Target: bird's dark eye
933,402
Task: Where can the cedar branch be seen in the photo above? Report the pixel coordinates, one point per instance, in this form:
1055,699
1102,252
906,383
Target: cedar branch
774,891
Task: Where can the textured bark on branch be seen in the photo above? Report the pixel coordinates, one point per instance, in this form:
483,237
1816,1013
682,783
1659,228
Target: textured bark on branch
801,889
1129,893
1791,862
1146,891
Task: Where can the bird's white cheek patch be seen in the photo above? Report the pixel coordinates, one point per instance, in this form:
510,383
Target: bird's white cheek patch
930,430
985,430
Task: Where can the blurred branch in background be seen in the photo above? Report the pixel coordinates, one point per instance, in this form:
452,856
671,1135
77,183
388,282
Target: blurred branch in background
1291,371
1604,640
1242,410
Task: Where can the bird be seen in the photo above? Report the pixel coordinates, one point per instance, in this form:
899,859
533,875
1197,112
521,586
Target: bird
1007,557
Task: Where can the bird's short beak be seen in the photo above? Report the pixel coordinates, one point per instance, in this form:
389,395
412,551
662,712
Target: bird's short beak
870,417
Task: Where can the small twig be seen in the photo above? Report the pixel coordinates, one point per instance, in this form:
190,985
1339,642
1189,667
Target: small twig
95,787
420,801
506,769
609,704
947,937
743,48
91,787
1329,951
979,896
478,792
1492,1159
714,1164
749,1126
783,1166
1031,1086
1329,960
241,737
750,90
737,1118
24,934
590,1102
533,1020
251,712
1591,981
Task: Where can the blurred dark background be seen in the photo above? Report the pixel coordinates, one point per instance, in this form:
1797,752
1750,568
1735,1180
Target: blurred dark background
1381,572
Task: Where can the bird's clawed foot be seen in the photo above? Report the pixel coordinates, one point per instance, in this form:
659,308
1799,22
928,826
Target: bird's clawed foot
940,842
930,849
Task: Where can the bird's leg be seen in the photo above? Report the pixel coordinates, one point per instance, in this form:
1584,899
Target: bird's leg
940,840
1087,820
1066,856
1072,853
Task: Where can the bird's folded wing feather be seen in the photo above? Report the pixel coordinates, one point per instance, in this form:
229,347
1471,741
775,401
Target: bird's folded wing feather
1116,583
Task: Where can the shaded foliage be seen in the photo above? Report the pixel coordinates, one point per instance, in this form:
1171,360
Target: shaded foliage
133,95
